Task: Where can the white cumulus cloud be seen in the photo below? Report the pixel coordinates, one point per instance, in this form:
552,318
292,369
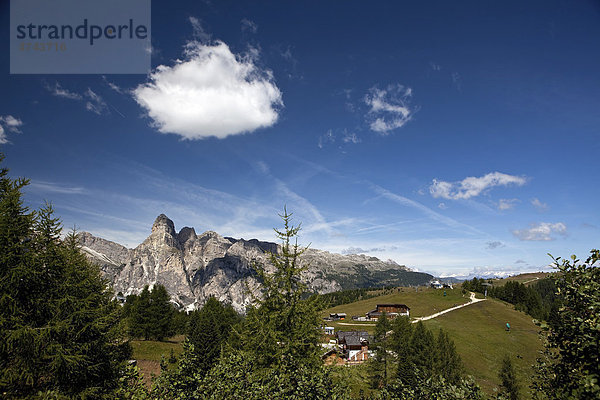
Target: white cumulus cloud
473,186
212,92
541,231
389,108
10,124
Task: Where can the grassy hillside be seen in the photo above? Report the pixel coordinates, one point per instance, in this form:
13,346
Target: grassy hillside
482,341
423,302
149,352
478,330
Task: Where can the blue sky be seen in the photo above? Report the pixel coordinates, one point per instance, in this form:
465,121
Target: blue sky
452,137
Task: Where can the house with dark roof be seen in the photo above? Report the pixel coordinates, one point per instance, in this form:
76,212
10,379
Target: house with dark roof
337,316
391,311
354,346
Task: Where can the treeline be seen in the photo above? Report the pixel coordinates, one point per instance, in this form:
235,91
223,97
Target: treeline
538,299
152,315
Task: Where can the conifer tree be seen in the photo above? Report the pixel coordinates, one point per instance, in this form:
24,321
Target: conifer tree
423,348
508,377
210,327
151,314
283,328
447,361
161,312
59,330
400,343
380,364
140,317
276,353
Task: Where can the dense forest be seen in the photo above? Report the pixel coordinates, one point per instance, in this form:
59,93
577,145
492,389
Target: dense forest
539,299
63,335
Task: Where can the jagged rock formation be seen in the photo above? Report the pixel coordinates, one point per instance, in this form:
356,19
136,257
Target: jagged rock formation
195,267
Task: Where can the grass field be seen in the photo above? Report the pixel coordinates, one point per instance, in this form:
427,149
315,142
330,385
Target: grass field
149,352
482,341
425,301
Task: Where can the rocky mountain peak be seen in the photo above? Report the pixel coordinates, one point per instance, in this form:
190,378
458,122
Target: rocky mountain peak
195,267
186,233
163,223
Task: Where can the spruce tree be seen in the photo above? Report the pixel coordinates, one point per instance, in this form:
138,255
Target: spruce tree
508,377
140,318
161,312
423,348
210,327
380,364
400,343
60,331
447,361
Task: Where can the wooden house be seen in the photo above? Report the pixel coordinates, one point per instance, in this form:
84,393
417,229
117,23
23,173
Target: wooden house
354,346
391,311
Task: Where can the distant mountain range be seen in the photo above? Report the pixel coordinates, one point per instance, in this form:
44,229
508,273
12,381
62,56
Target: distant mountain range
195,267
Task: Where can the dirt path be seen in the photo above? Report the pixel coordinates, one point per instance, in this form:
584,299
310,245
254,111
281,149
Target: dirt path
534,279
472,299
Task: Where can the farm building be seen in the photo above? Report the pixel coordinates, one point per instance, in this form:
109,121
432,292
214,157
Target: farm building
337,316
391,311
354,346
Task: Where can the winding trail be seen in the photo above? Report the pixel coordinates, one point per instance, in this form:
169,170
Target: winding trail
472,299
529,281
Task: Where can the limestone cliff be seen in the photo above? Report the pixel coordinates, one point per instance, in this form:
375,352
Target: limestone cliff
195,267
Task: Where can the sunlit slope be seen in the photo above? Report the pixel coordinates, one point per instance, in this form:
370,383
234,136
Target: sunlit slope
479,332
423,302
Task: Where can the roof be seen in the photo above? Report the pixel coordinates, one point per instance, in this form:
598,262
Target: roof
353,338
394,305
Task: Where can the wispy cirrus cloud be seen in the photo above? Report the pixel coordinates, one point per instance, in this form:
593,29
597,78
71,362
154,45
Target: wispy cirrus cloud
389,108
10,124
249,26
542,231
58,91
330,138
473,186
54,187
93,102
113,86
424,209
212,92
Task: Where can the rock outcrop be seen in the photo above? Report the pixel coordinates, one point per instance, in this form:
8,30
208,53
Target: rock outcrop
195,267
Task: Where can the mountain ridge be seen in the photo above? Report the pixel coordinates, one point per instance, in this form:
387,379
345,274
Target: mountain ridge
194,267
